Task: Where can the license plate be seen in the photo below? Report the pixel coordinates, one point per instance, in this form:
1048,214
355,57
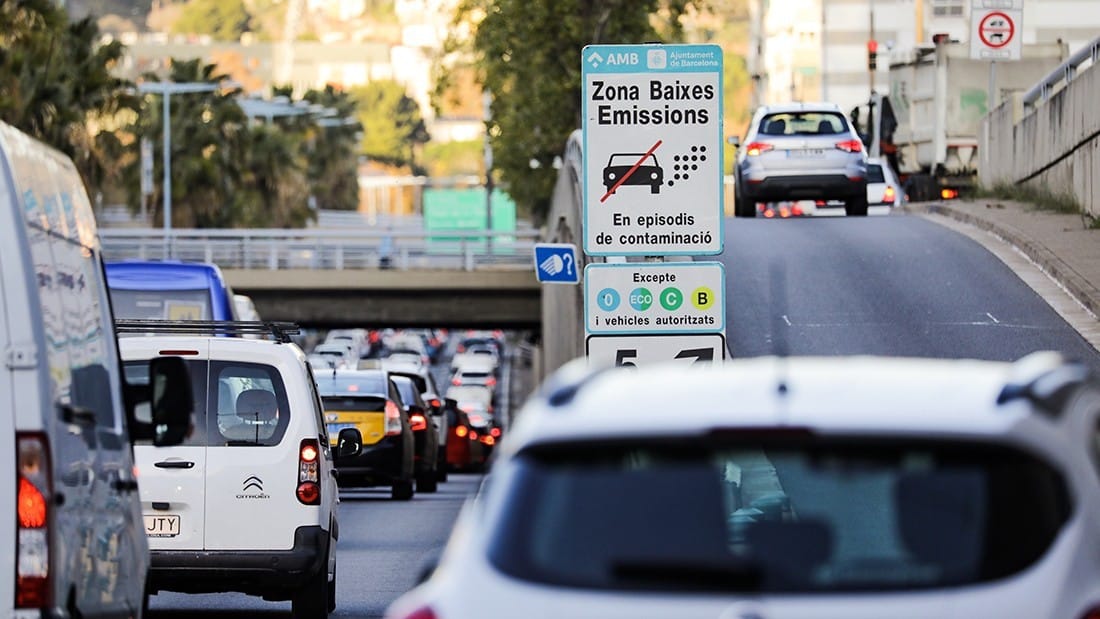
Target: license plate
162,525
806,153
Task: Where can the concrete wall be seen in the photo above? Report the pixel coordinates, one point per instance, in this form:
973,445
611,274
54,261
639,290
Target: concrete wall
1056,144
563,305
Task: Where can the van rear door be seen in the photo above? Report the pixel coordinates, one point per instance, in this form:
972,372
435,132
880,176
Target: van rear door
172,480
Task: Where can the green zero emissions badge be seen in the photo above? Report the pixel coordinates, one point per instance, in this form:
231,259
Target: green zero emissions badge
652,147
668,297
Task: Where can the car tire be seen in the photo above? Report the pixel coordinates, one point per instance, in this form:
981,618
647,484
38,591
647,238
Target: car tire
742,207
856,206
312,600
401,490
426,482
441,466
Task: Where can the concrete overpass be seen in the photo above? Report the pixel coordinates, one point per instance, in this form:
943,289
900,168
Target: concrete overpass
377,297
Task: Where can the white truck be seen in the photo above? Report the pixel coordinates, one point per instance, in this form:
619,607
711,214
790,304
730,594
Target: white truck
74,543
938,96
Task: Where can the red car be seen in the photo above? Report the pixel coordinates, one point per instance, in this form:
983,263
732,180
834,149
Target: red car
468,447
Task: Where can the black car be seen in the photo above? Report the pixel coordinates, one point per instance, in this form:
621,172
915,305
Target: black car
425,432
369,401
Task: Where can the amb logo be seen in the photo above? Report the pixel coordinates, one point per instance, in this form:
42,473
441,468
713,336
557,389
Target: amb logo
623,58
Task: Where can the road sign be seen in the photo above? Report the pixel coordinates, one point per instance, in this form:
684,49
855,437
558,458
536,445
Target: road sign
619,350
667,297
652,144
556,263
995,34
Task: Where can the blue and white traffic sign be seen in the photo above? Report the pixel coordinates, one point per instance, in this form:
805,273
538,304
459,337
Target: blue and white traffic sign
556,263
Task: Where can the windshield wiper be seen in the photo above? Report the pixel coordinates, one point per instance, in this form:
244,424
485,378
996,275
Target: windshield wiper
741,577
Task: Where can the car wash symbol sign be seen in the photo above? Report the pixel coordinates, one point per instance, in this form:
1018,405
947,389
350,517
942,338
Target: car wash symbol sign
652,146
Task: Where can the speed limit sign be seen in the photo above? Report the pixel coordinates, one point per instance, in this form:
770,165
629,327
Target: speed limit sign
636,350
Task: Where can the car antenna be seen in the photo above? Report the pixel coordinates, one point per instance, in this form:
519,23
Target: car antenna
780,330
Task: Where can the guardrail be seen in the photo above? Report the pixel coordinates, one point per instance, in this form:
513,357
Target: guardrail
1064,72
274,249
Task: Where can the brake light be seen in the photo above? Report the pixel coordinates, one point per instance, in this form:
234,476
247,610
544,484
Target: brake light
461,431
418,422
797,211
32,578
768,213
889,194
949,194
488,440
435,403
393,419
850,146
456,381
309,477
491,381
473,435
753,149
495,432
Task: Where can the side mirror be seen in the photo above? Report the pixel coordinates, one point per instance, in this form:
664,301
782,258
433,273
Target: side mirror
170,401
734,141
349,443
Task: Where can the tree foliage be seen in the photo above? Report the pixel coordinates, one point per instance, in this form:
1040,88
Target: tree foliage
224,20
533,71
56,85
393,128
333,151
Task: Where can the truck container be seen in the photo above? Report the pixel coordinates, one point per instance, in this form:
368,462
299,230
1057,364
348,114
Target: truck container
938,95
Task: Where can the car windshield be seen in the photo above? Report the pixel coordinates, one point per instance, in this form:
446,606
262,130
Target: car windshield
161,304
803,123
776,515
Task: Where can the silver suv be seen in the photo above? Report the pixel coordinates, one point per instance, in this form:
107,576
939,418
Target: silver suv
800,151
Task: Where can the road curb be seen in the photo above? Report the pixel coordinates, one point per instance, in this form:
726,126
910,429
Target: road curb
1076,284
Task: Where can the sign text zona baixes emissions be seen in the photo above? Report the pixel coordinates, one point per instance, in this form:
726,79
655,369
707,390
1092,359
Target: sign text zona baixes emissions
659,91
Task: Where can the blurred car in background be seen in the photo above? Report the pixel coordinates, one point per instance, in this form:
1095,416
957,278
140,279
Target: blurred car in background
477,402
369,401
359,339
340,354
883,186
432,396
465,449
426,461
857,487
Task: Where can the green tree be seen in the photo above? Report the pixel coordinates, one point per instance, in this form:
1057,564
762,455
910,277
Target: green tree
393,129
533,72
332,151
224,20
56,84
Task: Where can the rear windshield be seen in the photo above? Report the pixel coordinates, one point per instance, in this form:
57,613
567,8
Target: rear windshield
161,304
776,516
804,123
373,383
235,403
369,404
874,173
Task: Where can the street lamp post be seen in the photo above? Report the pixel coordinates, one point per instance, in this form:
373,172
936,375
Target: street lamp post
167,89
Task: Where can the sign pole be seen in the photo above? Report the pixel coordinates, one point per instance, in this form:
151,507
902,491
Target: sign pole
992,96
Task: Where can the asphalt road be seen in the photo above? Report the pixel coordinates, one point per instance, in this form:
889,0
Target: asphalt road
895,285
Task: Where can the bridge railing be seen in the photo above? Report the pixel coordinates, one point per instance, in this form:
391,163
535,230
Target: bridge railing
325,249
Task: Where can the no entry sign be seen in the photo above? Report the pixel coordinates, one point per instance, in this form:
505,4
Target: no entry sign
652,131
995,33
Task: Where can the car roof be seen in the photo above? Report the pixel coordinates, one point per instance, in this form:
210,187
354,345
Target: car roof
841,395
133,347
780,108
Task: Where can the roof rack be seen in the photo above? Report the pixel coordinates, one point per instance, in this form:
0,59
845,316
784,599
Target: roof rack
280,331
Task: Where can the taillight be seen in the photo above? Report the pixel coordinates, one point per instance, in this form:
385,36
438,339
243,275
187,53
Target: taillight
797,211
850,146
435,403
949,194
752,149
456,381
491,382
488,440
461,431
473,435
32,578
393,419
418,422
889,194
495,432
309,477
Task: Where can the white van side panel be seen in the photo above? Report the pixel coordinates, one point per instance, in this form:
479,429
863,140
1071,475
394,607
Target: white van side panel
60,306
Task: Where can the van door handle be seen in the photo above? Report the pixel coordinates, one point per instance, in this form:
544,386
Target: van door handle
174,464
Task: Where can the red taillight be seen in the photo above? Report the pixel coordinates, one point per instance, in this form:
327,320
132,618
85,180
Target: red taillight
309,493
461,431
490,382
473,435
423,612
797,211
889,195
949,194
488,440
495,432
850,146
456,381
769,213
309,489
393,419
752,149
32,579
435,403
418,422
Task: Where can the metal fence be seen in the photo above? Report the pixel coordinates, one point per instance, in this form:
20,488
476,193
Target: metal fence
1063,74
325,248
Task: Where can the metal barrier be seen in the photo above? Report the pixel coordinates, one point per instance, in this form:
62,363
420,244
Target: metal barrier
1064,72
310,248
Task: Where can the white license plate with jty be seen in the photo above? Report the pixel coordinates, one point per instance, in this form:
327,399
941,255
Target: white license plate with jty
162,525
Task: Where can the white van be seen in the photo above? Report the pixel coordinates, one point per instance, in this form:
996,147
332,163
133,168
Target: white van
249,502
74,544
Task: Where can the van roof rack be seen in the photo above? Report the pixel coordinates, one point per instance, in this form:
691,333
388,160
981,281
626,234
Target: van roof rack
280,331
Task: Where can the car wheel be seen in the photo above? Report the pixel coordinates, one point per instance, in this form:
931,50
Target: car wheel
743,207
426,482
856,206
402,490
441,465
312,600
